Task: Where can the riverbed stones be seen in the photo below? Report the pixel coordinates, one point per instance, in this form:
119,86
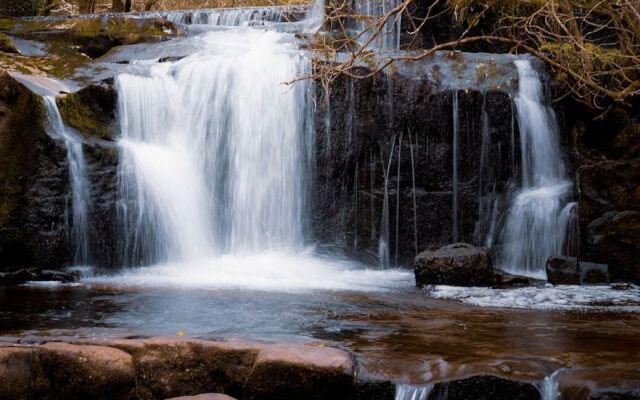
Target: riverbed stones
457,264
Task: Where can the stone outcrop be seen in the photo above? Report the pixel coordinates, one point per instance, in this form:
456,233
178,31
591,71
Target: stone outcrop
570,271
33,182
368,125
609,195
458,264
164,368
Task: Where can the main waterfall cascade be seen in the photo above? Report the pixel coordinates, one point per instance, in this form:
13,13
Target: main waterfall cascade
216,151
540,212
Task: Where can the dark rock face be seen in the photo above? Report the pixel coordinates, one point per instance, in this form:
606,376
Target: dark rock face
33,183
401,126
458,264
484,387
570,271
614,238
609,194
563,271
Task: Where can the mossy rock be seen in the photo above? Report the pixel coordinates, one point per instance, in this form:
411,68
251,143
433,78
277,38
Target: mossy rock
94,36
91,111
6,45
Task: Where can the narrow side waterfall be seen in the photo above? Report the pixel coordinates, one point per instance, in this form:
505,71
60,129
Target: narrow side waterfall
410,392
370,13
217,151
80,193
534,230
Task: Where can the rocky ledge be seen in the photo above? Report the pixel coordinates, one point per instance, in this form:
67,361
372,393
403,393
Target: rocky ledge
175,367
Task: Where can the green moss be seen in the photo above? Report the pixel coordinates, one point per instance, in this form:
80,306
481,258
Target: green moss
6,45
90,111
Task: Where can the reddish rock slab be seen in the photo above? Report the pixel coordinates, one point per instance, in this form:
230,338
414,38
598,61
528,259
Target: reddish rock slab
65,371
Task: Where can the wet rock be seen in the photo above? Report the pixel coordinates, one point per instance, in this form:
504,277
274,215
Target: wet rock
33,183
204,396
484,387
504,279
458,264
608,186
593,273
300,372
613,238
563,271
627,142
93,36
171,368
6,45
34,274
91,111
62,370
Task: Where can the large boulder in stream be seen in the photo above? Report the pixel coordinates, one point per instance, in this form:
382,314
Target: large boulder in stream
457,264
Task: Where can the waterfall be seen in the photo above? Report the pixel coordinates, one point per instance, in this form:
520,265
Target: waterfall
534,231
80,192
216,150
454,184
369,13
410,392
223,17
550,387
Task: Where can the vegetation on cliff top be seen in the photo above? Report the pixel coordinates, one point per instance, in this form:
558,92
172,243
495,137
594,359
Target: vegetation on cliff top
592,46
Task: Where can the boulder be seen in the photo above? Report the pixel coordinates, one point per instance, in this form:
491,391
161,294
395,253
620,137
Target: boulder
613,238
563,271
593,273
458,264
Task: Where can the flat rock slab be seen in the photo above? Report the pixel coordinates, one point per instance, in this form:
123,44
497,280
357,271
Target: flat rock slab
204,396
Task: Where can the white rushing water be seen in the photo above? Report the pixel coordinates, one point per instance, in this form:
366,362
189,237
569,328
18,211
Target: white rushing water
411,392
534,230
370,17
79,192
216,150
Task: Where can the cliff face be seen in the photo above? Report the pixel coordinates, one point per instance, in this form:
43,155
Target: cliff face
33,182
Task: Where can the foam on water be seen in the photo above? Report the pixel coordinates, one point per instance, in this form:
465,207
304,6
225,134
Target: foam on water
277,271
593,298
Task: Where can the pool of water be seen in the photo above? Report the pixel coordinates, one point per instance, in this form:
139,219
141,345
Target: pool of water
394,328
